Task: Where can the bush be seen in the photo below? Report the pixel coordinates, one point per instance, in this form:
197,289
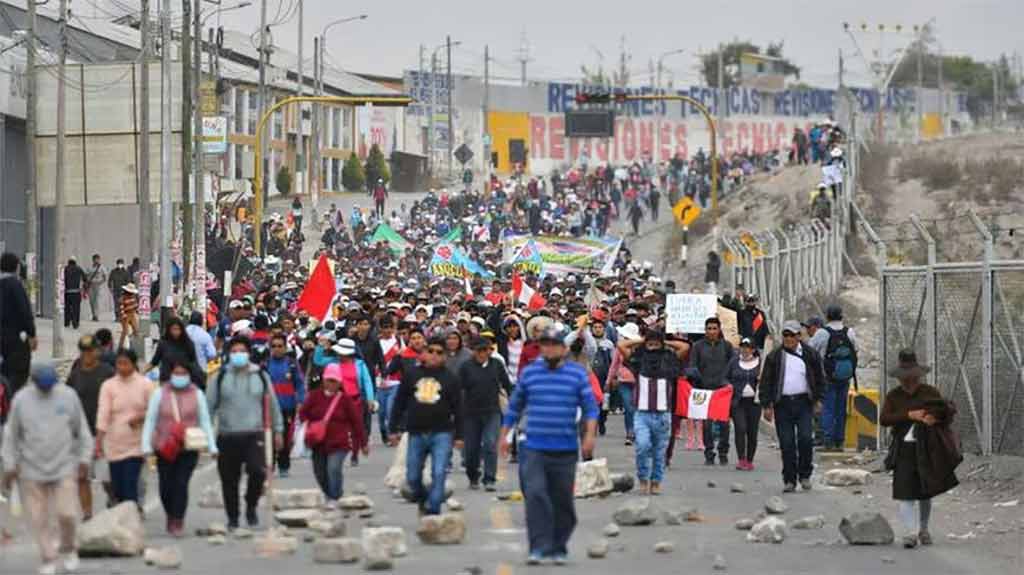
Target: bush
377,167
936,172
352,176
283,182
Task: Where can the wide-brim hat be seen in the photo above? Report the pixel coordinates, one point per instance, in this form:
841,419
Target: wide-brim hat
130,288
537,324
907,366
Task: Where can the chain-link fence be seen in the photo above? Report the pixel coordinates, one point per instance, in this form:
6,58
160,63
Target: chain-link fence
964,319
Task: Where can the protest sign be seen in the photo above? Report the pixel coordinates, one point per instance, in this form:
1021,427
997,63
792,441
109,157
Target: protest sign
686,313
561,255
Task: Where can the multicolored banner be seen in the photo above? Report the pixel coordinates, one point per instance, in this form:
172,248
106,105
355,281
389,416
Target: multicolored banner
565,255
450,262
396,243
528,260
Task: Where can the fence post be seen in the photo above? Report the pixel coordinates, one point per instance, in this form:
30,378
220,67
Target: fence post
881,262
931,301
986,336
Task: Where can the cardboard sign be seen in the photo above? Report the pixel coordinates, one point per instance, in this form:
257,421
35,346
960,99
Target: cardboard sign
686,313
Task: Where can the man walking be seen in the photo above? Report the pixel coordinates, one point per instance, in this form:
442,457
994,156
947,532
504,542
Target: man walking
94,283
549,392
483,379
791,389
836,345
74,282
290,389
47,448
429,406
244,403
17,326
711,357
117,279
752,322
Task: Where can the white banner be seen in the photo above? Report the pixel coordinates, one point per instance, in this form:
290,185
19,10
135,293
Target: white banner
686,313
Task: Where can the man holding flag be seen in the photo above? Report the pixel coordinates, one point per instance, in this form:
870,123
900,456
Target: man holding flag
711,357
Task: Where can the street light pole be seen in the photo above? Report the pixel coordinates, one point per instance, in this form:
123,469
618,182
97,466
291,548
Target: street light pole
166,219
657,90
451,129
58,224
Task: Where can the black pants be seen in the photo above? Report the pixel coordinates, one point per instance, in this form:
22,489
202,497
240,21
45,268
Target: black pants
16,364
174,478
235,450
793,422
379,208
283,457
546,478
746,416
710,428
72,309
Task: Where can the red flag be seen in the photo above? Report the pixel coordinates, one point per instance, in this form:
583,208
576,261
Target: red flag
524,294
319,291
707,404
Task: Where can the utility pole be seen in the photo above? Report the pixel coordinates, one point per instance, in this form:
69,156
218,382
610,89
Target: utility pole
995,94
58,220
720,95
145,210
448,82
942,91
430,114
487,114
419,80
166,217
187,141
198,167
920,88
524,56
314,137
262,96
303,148
31,235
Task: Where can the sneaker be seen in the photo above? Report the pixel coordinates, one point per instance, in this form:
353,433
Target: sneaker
629,441
723,460
490,487
805,484
741,465
331,505
48,569
474,485
709,461
535,559
910,541
559,558
251,518
789,488
283,473
925,537
71,562
750,466
232,524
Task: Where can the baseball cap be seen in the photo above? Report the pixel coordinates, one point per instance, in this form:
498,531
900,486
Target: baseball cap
791,326
479,343
44,374
814,321
235,304
551,334
332,372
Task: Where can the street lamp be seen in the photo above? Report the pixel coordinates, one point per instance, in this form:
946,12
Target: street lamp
657,90
223,9
433,97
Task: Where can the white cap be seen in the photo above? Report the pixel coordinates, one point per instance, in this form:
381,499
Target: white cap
344,346
630,331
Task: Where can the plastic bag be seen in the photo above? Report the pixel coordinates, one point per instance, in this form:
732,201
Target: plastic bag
299,449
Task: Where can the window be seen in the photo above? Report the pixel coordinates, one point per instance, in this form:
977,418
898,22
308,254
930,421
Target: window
239,154
278,128
238,96
335,128
346,127
254,111
325,182
336,172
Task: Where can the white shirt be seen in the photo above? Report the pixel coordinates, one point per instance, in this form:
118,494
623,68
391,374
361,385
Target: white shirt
795,381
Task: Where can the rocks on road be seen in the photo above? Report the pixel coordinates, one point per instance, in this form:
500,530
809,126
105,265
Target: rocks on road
445,529
866,528
745,524
389,539
593,479
664,547
114,532
771,529
812,522
775,505
611,530
337,550
847,477
598,549
636,512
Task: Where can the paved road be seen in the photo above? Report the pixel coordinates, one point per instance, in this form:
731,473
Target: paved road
496,538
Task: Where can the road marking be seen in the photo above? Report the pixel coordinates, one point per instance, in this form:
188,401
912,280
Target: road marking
500,517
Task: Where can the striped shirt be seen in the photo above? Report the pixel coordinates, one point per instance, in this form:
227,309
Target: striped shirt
549,398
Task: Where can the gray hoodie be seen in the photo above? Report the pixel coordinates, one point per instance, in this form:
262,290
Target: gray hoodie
47,435
236,401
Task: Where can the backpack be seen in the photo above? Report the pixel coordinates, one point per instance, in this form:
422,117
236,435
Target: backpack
602,363
840,356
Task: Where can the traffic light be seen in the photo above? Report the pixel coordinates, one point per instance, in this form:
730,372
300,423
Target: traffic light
599,98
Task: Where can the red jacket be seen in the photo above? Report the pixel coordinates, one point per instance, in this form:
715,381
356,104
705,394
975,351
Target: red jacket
345,429
531,351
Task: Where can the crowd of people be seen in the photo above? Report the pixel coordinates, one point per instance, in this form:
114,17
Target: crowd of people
453,364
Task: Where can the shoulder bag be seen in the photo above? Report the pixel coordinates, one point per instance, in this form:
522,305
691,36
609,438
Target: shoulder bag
171,446
316,431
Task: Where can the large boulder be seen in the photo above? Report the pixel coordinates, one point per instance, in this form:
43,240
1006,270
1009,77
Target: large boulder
114,532
847,477
775,505
296,518
298,499
593,479
391,539
340,550
406,493
866,528
771,529
377,559
163,557
446,529
636,512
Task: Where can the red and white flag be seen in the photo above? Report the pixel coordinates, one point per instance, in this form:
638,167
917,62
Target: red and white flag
319,291
702,403
525,294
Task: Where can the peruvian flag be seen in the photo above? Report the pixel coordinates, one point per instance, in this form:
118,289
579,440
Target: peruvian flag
319,291
525,294
702,403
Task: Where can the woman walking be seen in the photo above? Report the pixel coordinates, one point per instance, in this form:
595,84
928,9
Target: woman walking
175,345
124,399
339,410
924,454
177,404
743,373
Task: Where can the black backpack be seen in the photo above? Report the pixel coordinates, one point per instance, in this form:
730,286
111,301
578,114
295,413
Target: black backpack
840,361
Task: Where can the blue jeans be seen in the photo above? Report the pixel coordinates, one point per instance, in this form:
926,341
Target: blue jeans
652,432
546,479
626,392
328,468
481,432
833,412
386,401
439,446
793,424
124,479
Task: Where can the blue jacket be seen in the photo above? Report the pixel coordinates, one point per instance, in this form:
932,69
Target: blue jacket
288,382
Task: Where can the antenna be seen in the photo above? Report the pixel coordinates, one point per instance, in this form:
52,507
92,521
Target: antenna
524,56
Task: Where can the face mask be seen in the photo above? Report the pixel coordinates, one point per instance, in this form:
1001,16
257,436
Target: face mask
239,358
180,381
552,362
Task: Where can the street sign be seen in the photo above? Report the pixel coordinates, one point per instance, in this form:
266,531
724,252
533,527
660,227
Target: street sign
686,211
208,98
215,135
463,154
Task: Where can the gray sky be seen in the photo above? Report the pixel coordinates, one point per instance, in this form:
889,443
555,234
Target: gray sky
563,34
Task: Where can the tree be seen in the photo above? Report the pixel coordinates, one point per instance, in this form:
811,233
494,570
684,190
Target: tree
731,54
352,176
377,166
283,181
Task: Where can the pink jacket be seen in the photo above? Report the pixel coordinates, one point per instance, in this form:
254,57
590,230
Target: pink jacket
619,373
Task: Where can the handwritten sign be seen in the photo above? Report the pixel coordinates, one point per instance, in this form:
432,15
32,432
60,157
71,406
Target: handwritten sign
686,313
